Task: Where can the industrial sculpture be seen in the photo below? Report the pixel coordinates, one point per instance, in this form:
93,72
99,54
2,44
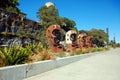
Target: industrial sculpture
81,40
71,40
53,36
89,41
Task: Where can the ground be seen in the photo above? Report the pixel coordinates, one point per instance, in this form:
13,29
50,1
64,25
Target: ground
102,66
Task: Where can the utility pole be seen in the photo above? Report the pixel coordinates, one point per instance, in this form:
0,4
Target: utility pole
114,39
107,31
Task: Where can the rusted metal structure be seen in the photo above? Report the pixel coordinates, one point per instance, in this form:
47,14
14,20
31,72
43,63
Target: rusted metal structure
53,36
71,40
81,40
89,41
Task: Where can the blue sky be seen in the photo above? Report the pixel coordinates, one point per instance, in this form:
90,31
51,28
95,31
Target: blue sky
87,14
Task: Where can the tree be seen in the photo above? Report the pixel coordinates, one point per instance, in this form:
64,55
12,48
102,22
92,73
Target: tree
117,44
50,15
100,37
10,5
83,31
67,24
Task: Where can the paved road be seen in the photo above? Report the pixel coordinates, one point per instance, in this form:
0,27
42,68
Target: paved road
103,66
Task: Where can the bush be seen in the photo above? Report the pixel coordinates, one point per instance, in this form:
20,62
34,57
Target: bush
13,56
106,48
40,56
16,55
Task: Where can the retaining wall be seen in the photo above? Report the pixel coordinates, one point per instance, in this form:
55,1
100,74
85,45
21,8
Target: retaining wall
19,72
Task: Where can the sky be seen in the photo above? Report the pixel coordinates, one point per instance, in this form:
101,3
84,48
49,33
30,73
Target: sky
88,14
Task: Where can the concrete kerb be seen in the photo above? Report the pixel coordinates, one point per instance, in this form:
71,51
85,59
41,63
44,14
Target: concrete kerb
19,72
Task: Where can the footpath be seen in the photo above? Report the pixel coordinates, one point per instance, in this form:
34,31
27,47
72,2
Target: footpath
103,66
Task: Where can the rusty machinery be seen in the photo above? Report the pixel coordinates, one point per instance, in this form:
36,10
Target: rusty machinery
84,41
81,40
89,41
71,40
53,36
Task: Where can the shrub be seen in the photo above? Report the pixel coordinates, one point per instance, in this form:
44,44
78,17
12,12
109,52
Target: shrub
77,52
93,49
106,48
40,56
12,56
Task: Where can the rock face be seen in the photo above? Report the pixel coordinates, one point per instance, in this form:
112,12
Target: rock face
16,27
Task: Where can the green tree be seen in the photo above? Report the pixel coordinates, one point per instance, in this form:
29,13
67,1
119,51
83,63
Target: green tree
83,31
50,15
100,37
10,5
67,24
118,44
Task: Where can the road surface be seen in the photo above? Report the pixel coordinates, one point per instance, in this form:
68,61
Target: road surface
102,66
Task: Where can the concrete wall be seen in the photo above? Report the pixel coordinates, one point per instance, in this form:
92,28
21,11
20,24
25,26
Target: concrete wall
19,72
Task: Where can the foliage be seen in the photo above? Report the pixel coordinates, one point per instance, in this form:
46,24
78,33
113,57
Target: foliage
50,15
39,53
20,55
10,5
16,55
83,31
68,24
62,54
78,52
13,9
42,37
32,53
100,37
40,56
117,44
112,43
88,50
12,56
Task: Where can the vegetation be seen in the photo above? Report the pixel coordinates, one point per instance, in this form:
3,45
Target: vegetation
100,36
38,52
20,55
10,5
32,53
15,55
50,15
118,45
88,50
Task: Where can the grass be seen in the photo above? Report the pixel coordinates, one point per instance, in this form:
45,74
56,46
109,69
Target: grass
32,53
40,56
88,50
